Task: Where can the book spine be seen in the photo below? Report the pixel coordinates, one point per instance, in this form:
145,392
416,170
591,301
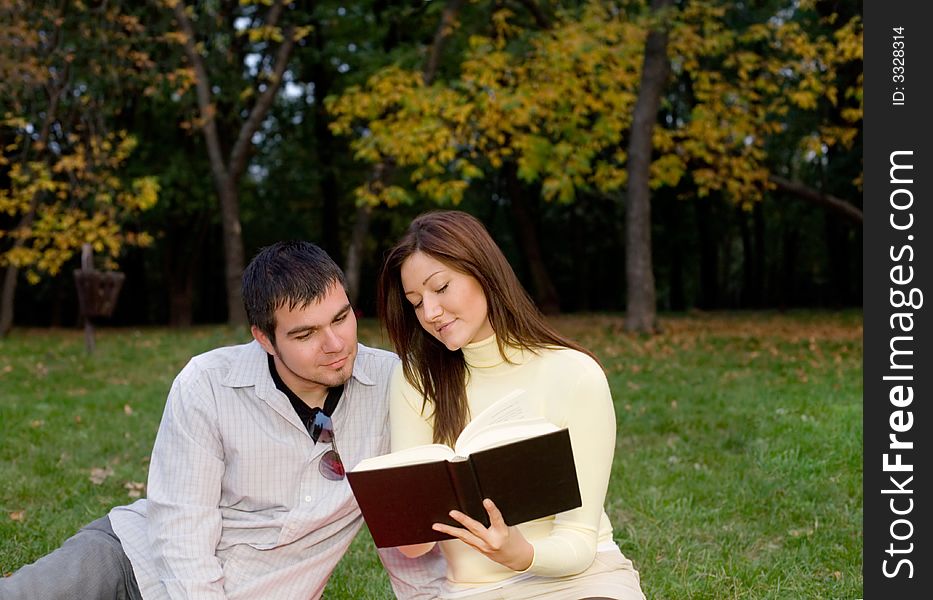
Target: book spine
466,487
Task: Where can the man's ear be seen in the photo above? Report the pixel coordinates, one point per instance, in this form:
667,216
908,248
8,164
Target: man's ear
263,340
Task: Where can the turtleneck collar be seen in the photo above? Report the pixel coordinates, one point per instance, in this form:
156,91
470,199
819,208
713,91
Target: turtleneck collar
484,354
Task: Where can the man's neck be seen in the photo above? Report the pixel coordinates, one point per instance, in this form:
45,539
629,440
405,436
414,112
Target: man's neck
312,394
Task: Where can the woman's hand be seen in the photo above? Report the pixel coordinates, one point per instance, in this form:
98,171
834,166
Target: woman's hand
499,542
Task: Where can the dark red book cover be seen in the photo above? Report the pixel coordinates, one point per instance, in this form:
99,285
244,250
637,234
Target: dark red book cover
527,479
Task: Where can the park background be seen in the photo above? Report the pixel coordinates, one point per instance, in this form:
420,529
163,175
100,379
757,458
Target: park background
677,183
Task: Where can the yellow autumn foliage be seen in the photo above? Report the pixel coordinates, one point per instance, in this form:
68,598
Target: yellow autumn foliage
560,108
73,199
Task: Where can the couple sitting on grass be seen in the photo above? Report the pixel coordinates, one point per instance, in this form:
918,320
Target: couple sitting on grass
247,493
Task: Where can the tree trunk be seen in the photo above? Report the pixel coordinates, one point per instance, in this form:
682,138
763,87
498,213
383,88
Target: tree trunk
583,269
321,73
641,303
544,292
790,241
10,278
748,263
233,250
709,255
181,266
227,173
355,251
758,284
677,296
181,302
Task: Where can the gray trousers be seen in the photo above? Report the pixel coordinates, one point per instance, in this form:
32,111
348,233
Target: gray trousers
90,565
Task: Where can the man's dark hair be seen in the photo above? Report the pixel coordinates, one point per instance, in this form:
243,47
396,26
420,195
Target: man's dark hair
286,273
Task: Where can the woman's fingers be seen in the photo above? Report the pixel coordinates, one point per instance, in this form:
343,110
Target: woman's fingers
463,535
495,517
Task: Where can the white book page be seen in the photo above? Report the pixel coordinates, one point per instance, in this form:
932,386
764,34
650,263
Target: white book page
498,434
409,456
514,406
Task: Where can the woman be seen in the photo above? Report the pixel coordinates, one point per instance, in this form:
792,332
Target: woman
468,334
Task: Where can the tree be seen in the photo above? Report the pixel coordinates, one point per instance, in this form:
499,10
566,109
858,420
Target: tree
225,89
63,67
381,171
522,116
641,305
559,104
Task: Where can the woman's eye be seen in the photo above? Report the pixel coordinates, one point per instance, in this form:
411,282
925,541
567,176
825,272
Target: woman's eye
442,288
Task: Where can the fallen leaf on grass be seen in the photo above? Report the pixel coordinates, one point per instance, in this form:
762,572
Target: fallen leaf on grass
98,475
127,409
134,489
35,424
18,515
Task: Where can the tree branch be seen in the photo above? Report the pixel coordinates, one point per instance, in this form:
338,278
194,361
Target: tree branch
203,89
445,29
838,205
240,151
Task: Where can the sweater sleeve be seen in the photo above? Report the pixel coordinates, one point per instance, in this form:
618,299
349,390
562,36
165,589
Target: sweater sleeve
590,418
407,425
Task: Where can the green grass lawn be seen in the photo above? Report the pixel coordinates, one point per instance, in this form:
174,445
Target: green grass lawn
738,467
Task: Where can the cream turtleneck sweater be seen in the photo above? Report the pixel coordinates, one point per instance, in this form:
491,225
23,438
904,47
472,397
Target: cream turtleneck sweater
569,389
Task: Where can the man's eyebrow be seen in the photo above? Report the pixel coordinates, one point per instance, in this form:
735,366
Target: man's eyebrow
312,328
342,312
302,329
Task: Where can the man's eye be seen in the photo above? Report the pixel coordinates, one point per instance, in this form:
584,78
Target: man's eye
303,336
341,318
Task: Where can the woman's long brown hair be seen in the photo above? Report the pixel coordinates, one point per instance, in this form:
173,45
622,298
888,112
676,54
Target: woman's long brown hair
462,243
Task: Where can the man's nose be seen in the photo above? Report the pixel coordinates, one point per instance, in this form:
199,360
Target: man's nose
332,341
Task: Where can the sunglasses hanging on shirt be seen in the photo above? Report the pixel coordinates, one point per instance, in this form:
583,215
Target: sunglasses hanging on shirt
322,431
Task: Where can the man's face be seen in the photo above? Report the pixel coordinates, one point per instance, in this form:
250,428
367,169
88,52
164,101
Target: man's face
315,345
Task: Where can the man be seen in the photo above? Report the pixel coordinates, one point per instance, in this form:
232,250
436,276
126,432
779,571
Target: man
247,496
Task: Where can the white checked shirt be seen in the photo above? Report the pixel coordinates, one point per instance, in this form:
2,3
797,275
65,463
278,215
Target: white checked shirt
237,507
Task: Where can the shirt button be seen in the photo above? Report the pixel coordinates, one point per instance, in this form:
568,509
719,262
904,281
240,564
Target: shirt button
307,498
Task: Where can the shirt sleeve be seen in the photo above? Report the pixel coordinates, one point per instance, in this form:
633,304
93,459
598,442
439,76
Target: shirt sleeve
420,578
185,475
408,426
590,418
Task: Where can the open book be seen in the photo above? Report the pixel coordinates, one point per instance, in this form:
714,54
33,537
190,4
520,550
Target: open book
524,464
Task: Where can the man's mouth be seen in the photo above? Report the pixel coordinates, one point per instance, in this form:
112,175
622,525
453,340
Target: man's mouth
337,363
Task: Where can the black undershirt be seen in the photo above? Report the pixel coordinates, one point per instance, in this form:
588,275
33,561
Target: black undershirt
305,413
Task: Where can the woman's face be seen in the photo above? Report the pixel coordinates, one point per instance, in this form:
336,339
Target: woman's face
450,305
